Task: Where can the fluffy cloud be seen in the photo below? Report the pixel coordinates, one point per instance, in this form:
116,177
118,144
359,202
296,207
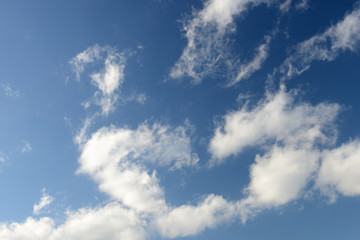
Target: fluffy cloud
277,118
344,36
116,158
288,173
108,80
339,171
300,157
189,220
112,222
280,175
293,136
206,51
31,229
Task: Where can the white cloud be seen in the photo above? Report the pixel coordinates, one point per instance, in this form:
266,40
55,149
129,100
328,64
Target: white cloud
81,136
141,98
31,229
206,51
280,175
246,70
9,91
90,55
45,200
339,171
137,97
289,173
291,133
108,80
277,118
115,158
302,5
285,6
111,222
298,140
189,220
344,36
26,147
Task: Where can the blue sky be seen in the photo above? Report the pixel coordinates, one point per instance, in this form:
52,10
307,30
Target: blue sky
145,119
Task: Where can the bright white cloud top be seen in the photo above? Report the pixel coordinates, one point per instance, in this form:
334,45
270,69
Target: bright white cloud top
127,154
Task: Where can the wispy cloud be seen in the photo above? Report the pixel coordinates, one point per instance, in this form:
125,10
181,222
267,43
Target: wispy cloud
3,157
302,5
341,37
9,91
110,77
135,97
207,49
26,147
247,69
45,200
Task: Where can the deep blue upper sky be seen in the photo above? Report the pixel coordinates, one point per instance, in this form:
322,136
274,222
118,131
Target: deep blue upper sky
234,119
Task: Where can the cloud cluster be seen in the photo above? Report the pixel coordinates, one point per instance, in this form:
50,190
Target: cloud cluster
116,158
299,154
296,141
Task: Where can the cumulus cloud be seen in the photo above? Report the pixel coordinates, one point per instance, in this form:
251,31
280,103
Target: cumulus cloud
31,229
280,176
275,118
112,222
339,171
288,173
45,200
298,140
207,52
189,220
9,91
116,159
341,37
108,80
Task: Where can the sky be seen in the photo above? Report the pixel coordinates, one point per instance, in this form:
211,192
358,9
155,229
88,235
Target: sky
168,119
